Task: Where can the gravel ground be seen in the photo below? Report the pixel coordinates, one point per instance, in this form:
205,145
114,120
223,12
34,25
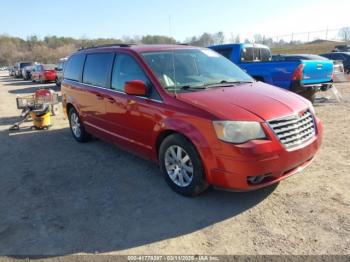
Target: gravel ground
60,197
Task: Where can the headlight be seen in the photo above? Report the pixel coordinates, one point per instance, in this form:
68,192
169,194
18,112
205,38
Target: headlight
238,131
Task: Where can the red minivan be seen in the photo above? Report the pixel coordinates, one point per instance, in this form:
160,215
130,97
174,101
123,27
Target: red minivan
44,73
204,120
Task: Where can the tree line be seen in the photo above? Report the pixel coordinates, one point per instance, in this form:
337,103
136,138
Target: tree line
51,48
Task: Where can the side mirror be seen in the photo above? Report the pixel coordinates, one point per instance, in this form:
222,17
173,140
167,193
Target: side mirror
135,88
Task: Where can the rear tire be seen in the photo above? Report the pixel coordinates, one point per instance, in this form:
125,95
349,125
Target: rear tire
309,95
77,128
181,166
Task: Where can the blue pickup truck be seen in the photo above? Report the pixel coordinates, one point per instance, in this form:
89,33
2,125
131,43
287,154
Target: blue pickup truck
304,77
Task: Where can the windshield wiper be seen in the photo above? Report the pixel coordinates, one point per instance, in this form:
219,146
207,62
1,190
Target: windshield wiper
188,87
225,83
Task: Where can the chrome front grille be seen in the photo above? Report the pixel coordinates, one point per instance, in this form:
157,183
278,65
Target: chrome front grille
294,130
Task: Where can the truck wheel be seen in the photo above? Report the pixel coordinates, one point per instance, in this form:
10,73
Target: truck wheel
181,166
309,95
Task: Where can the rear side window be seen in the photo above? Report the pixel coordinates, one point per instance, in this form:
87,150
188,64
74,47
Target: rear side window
247,54
74,68
250,54
226,52
97,69
265,54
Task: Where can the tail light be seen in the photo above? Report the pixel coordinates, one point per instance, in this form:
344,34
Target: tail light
298,73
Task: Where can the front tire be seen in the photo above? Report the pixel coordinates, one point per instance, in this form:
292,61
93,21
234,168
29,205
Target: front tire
77,128
181,166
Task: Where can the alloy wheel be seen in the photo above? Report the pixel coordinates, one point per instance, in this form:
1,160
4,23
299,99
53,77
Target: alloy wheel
75,124
179,166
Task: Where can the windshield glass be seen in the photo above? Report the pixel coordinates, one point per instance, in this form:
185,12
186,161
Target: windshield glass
189,69
49,67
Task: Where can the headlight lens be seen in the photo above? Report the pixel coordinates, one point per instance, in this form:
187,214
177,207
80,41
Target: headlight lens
238,131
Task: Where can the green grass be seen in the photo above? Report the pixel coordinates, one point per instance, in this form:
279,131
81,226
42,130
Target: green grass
316,47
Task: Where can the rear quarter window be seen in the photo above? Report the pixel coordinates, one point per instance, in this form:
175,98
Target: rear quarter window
97,69
74,68
226,52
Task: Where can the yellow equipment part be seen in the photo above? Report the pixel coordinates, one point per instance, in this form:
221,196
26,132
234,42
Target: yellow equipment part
41,121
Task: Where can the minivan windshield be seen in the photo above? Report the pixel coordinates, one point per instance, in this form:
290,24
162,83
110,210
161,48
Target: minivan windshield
193,69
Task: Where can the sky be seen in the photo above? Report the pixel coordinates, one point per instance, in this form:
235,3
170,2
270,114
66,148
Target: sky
178,18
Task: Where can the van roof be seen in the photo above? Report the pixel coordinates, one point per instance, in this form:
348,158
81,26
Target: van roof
140,48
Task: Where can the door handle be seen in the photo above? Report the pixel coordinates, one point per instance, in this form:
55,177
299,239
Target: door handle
111,100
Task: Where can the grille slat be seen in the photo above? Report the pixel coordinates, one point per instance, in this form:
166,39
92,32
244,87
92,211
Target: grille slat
294,130
292,127
289,120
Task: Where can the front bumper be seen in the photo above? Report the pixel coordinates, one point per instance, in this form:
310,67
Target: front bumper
234,164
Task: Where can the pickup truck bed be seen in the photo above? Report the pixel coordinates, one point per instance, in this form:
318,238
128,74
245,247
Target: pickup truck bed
304,77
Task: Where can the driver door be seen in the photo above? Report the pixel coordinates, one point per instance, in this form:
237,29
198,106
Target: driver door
131,118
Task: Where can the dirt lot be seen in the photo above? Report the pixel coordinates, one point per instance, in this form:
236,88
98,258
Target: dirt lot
61,197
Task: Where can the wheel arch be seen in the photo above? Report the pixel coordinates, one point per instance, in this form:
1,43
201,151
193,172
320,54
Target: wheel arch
68,107
195,138
166,133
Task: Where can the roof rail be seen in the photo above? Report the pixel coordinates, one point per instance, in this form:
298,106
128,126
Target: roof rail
107,45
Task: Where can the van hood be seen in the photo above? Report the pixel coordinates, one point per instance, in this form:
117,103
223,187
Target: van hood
257,99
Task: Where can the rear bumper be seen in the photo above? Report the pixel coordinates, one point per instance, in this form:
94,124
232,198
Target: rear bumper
261,158
298,87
